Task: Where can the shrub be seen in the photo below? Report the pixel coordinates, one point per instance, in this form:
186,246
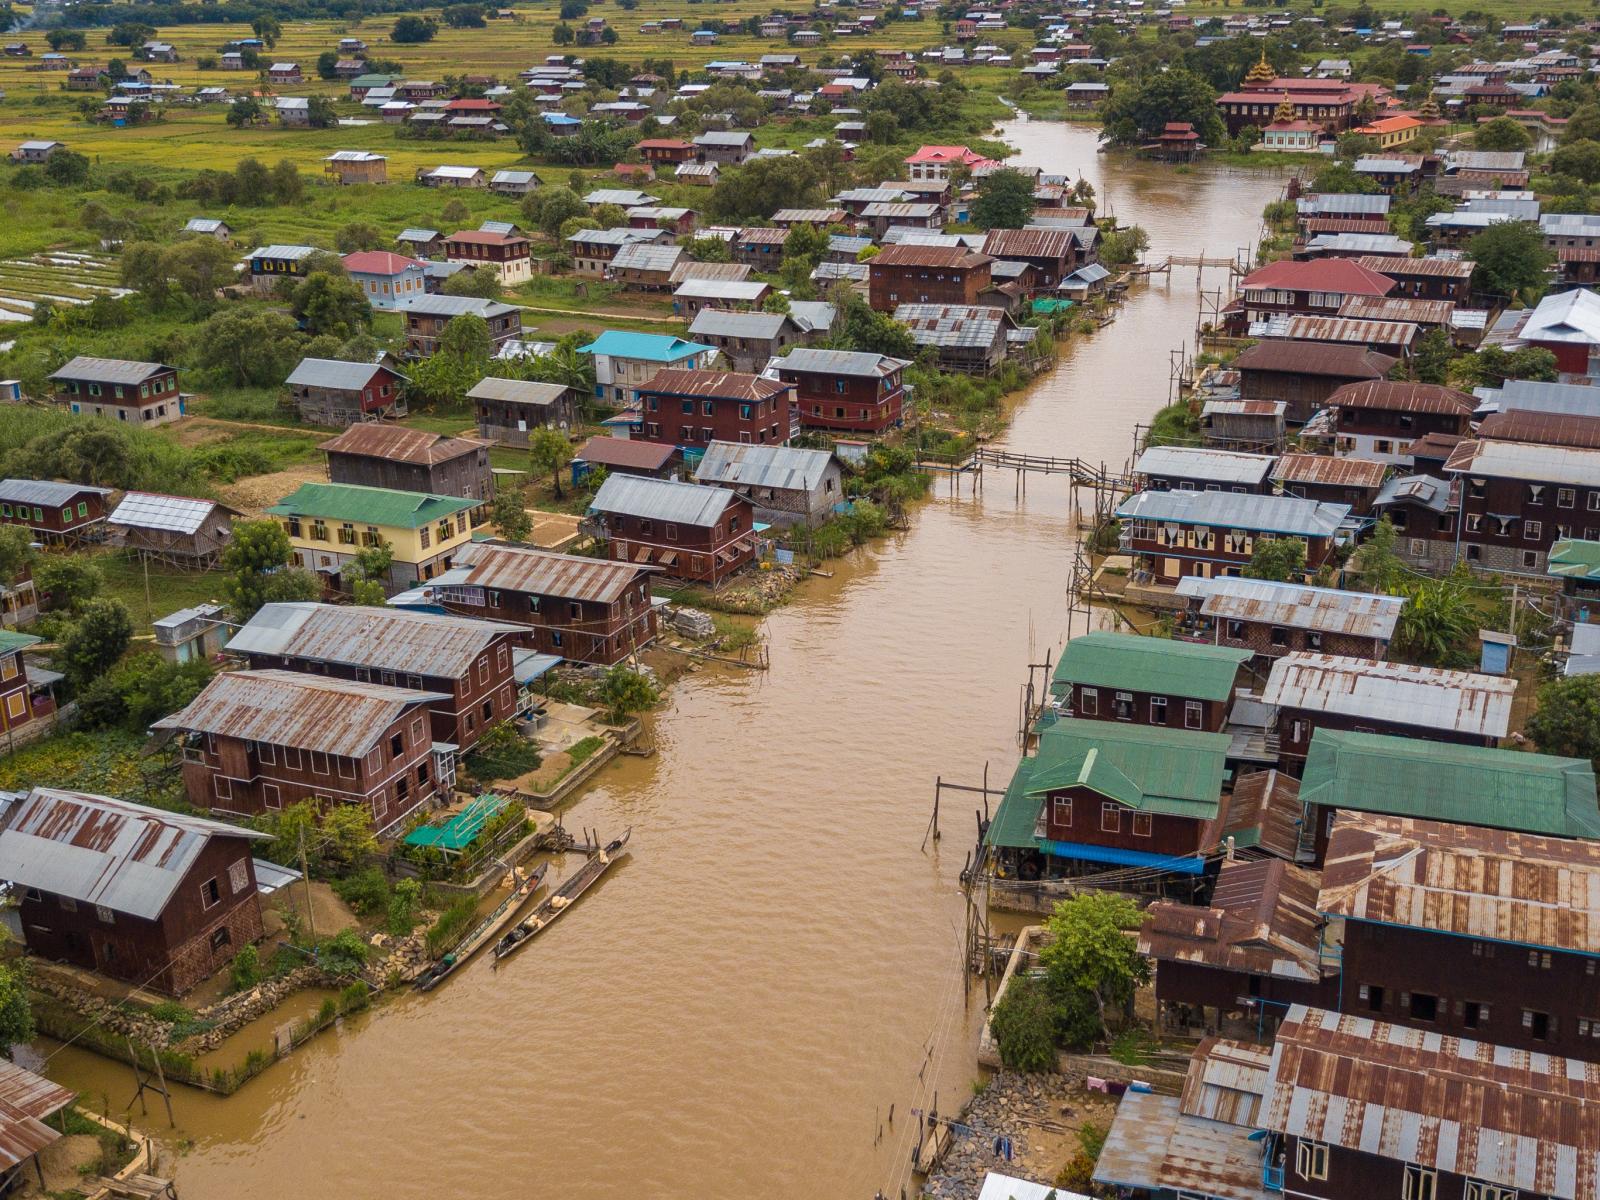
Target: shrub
366,891
1024,1025
403,905
345,953
245,971
452,923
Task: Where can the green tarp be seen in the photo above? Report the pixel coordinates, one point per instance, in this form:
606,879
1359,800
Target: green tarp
459,831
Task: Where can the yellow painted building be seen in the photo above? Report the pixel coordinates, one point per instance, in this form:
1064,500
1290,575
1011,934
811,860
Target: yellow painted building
1391,132
330,523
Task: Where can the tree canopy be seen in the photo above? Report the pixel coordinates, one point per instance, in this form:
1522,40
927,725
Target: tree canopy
1005,200
1136,113
1509,260
1567,718
256,569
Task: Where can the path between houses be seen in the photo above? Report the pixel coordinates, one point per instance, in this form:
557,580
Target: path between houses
577,314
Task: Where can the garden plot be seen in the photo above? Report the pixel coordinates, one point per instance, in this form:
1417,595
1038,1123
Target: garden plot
55,276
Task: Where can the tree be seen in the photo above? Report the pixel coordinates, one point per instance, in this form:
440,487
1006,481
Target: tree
1122,247
1431,357
1502,133
608,36
1024,1025
562,35
625,692
245,110
1438,623
548,451
16,1016
256,569
328,64
464,16
1566,720
332,303
358,235
510,518
1579,159
1583,125
130,33
1509,260
484,284
17,554
1135,113
367,571
1277,559
266,27
1005,200
95,640
252,182
285,183
1091,966
320,113
67,168
247,348
67,583
66,40
197,268
861,327
1341,178
466,337
411,29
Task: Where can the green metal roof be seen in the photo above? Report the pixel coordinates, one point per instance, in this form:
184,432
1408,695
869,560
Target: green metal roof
1013,821
1149,664
11,641
369,505
1574,558
1437,781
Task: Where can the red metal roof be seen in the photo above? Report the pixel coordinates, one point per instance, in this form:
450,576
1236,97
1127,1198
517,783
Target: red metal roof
714,385
625,452
1344,276
377,262
1398,396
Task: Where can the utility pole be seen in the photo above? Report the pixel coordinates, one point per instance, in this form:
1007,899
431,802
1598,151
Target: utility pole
305,873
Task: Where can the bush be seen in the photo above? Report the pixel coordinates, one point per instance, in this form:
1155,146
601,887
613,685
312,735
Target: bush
403,905
366,891
345,953
1024,1025
502,753
453,922
245,972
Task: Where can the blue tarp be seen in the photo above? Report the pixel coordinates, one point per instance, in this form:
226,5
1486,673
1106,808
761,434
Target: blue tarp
1126,858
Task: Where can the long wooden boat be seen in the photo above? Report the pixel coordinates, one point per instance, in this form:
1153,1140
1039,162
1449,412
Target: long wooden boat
562,898
480,934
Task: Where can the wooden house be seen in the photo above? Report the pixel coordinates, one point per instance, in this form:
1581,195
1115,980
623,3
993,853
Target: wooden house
846,391
584,609
54,513
350,167
467,662
1201,469
1425,278
1176,534
748,340
912,274
427,316
1052,253
1378,420
1101,796
624,362
257,741
328,391
1517,498
411,460
330,523
159,899
647,266
1311,287
970,339
1312,691
19,600
1351,481
137,393
1446,928
21,703
1271,619
696,534
269,264
688,408
1245,425
388,279
1136,680
509,255
508,410
174,529
729,148
700,292
1305,374
1339,1082
787,485
623,456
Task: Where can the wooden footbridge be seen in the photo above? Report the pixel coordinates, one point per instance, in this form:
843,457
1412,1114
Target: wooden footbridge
1106,484
1237,265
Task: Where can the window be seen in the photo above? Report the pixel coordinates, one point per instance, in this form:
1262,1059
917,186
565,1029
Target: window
397,744
1564,497
1424,1007
239,876
1538,1025
220,938
424,538
1110,818
1158,710
1311,1160
1061,812
1124,706
1142,824
1088,701
1474,1015
1478,1189
1532,529
1420,1183
1193,711
1279,636
1372,995
210,893
1539,960
105,915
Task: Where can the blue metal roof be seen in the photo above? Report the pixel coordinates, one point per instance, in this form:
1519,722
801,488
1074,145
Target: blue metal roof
651,347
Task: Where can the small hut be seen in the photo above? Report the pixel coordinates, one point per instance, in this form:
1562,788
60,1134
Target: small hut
179,530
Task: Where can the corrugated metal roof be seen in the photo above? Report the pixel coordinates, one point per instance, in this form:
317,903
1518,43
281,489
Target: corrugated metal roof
333,373
1430,697
947,258
1148,768
1519,1118
1426,490
1295,605
1155,1146
108,370
1161,666
1532,462
605,451
1393,395
544,572
1398,308
454,306
45,492
952,325
286,708
392,639
1344,330
1343,202
177,514
1194,462
1262,920
25,1100
401,444
100,850
1261,514
752,466
370,505
517,391
646,347
717,322
646,256
1544,428
1439,781
840,362
1329,471
662,500
1576,398
1464,880
1226,1081
1293,357
1263,813
1446,268
718,385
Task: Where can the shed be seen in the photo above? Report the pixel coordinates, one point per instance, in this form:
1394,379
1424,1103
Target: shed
182,530
508,410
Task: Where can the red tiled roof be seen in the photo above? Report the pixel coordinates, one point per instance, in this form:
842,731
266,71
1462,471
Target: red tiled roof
1343,276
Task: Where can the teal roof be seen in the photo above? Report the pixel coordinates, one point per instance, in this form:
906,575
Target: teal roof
1149,664
369,505
1437,781
650,347
1574,558
461,830
1012,825
11,641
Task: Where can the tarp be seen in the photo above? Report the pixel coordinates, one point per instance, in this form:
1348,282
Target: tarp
460,830
1183,865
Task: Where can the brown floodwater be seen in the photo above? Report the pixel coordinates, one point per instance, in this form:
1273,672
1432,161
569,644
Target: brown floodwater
730,1014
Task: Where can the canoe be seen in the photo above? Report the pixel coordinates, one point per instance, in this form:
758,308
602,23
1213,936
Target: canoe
563,898
480,934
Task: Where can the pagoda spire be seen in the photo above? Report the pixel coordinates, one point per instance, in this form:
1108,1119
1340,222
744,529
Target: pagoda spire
1285,110
1262,72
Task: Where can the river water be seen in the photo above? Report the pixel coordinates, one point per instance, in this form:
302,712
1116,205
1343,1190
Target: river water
730,1014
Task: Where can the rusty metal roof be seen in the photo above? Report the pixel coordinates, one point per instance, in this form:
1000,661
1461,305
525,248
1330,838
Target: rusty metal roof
1398,396
718,385
101,850
1398,308
1392,693
287,708
1324,610
1518,1118
375,440
1292,357
1262,920
1029,243
1226,1081
1463,879
1437,268
543,572
948,258
1333,472
26,1100
1155,1146
390,639
1341,330
1264,813
1545,428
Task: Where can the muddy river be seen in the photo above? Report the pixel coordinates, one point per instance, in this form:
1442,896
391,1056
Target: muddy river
730,1014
